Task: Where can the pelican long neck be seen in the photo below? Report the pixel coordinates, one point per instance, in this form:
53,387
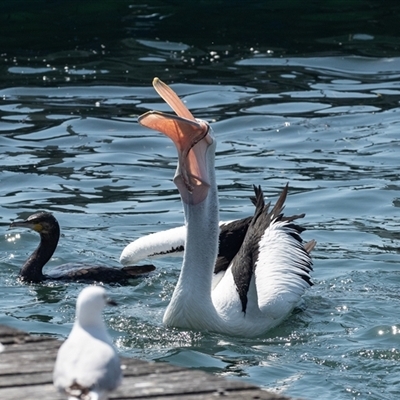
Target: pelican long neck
201,243
31,271
191,305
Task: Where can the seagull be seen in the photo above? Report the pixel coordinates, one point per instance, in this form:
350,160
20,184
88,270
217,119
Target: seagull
268,274
87,365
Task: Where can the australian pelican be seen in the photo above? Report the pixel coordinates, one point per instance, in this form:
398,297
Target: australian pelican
263,280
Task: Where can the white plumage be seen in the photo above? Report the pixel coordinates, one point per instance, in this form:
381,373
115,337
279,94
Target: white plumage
159,244
87,365
266,276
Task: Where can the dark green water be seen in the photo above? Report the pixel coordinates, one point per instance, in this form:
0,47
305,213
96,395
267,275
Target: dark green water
300,93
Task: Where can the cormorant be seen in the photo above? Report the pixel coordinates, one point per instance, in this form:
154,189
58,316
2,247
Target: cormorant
49,230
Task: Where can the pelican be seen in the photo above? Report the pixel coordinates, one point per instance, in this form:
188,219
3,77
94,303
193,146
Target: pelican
268,274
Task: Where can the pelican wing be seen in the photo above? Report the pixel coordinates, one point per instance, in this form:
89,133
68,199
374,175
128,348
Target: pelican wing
283,265
274,255
282,271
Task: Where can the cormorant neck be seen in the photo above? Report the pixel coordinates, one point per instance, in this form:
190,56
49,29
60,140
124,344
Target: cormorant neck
31,271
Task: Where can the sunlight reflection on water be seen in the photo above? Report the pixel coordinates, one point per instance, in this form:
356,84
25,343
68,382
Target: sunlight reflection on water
328,126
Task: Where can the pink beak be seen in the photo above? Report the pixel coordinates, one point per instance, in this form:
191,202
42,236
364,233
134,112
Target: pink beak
191,138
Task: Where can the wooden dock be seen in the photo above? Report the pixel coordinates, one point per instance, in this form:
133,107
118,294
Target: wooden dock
26,366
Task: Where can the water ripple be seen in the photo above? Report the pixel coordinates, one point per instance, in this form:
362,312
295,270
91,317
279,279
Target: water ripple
327,125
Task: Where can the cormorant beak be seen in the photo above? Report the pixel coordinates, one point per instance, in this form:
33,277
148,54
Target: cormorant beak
26,224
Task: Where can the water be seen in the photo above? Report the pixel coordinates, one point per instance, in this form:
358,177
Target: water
326,123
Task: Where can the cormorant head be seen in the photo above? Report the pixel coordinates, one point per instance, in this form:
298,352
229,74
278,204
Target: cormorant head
42,222
47,226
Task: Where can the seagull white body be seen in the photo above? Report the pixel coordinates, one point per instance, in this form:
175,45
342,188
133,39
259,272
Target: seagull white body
270,271
87,365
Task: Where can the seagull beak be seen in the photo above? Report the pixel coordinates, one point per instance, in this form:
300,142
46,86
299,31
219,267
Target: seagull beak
191,138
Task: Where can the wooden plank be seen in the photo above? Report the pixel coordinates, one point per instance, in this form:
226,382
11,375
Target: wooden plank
47,392
33,347
27,364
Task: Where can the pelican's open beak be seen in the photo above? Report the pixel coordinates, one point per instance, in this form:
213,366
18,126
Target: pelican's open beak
191,138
